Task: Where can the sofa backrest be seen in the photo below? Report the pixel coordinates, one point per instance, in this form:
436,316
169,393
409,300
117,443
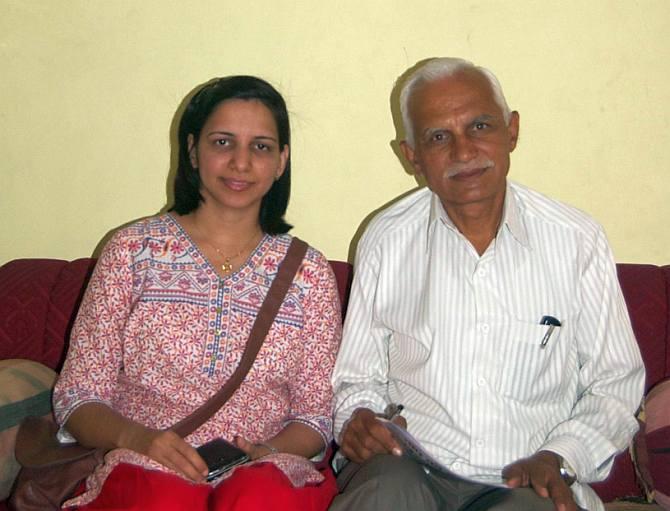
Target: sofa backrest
39,299
38,302
646,289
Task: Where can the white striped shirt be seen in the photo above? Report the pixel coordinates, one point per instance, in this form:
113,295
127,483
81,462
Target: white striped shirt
455,337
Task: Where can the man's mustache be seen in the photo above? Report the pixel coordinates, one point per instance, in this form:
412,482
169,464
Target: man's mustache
459,168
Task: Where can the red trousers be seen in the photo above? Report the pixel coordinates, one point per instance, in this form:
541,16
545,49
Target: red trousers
258,487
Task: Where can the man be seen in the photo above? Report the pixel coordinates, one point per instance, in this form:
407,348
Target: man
492,313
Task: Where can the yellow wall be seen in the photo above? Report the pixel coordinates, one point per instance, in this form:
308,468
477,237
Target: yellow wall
89,89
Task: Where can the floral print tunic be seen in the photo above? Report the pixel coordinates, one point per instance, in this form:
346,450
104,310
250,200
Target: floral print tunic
159,332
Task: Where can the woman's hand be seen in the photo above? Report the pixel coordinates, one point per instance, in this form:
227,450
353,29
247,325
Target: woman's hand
97,425
170,450
254,451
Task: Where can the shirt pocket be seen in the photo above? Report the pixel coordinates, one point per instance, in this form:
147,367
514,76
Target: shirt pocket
529,373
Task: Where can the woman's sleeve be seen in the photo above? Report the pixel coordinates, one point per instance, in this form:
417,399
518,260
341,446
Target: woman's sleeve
94,356
311,391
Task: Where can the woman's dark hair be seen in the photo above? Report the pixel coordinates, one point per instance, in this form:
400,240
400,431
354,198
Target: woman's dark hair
187,196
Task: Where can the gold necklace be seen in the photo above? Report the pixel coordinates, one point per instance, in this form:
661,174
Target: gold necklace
227,265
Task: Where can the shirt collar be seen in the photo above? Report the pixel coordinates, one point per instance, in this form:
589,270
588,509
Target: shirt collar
512,220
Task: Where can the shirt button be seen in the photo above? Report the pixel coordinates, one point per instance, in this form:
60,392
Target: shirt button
456,466
481,272
479,443
481,381
485,328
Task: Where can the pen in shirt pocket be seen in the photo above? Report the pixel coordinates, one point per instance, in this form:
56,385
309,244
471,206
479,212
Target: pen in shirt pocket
553,323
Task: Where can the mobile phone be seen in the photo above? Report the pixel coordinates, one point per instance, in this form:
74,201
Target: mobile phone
220,456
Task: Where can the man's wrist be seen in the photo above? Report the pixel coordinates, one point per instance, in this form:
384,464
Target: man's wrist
567,472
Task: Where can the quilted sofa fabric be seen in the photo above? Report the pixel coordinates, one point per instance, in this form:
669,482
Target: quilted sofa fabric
647,290
37,301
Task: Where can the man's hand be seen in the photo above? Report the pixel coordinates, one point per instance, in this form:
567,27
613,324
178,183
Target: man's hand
541,471
169,449
364,436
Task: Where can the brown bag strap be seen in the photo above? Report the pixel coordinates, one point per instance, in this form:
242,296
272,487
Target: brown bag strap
264,320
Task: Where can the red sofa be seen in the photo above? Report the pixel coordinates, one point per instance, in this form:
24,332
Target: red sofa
39,297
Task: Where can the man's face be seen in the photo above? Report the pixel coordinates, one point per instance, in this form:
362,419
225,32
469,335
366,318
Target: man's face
461,141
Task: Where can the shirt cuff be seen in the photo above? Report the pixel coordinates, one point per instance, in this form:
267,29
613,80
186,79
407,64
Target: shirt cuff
578,458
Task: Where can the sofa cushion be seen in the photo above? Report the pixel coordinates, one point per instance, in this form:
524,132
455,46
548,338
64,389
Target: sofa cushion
658,446
651,447
25,391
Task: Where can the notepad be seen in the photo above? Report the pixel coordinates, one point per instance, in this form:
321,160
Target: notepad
412,448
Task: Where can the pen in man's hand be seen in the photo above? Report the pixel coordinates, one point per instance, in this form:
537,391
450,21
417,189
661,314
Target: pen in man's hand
392,411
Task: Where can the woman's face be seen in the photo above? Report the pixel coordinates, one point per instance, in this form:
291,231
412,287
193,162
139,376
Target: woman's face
238,156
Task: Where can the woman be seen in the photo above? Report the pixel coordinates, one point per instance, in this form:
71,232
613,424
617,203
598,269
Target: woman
167,314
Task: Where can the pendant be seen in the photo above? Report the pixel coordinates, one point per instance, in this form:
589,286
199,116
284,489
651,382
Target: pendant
227,266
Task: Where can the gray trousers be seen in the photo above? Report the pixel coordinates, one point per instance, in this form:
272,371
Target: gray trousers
393,483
